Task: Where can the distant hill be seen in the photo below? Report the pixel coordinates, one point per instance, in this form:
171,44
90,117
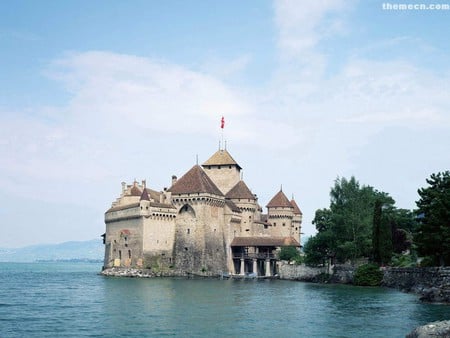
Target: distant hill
85,250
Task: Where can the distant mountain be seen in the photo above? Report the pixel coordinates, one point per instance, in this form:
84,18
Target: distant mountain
86,250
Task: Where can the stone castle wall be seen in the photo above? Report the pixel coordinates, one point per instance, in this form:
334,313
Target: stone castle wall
124,243
224,178
200,237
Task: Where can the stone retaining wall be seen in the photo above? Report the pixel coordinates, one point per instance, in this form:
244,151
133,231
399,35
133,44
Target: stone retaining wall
432,284
300,272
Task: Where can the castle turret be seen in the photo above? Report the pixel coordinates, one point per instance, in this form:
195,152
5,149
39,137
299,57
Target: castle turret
243,198
280,213
223,170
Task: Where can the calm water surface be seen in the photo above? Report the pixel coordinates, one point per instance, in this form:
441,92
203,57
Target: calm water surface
72,300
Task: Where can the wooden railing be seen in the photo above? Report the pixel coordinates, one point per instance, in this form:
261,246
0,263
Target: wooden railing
253,255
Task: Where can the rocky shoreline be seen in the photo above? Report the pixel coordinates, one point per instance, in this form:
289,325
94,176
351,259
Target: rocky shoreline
431,284
434,329
150,273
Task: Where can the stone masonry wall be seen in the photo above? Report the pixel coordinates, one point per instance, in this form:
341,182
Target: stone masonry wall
299,272
432,284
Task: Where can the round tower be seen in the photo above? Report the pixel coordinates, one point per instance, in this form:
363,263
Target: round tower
280,213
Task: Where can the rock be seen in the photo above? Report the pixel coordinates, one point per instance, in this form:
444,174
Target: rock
435,329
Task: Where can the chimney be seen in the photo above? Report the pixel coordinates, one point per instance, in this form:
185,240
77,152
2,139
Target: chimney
144,184
124,187
174,179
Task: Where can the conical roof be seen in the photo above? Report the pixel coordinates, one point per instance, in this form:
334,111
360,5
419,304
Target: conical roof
145,196
297,210
195,181
240,190
279,200
221,157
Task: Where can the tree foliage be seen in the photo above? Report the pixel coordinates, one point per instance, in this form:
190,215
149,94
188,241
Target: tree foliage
345,228
432,236
288,253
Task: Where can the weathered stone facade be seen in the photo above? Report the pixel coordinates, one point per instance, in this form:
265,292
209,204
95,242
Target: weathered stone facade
301,272
208,222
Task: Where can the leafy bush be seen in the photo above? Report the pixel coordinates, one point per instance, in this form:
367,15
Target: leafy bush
368,275
403,261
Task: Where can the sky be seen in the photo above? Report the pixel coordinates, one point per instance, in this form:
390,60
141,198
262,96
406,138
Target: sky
93,93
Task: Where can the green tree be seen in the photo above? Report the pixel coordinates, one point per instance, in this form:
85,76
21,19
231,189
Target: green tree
432,236
352,208
382,233
317,249
403,222
345,228
288,253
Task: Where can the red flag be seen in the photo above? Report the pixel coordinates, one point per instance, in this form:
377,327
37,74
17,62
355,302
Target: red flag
222,122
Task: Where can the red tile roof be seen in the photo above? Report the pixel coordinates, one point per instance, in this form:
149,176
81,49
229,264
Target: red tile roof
195,181
297,210
240,190
221,157
265,241
279,200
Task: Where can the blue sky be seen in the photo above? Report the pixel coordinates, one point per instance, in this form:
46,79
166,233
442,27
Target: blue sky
93,93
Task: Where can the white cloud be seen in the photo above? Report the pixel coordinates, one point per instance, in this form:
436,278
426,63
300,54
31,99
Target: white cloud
126,111
302,24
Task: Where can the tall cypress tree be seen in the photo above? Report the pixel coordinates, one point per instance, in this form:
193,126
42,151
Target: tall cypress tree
382,233
376,231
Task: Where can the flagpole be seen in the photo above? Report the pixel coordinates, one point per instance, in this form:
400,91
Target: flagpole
222,125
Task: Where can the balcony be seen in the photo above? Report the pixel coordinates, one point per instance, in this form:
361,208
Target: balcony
254,255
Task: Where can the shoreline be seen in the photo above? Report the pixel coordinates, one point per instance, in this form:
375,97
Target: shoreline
434,294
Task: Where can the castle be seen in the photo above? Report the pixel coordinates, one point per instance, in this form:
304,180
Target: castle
207,222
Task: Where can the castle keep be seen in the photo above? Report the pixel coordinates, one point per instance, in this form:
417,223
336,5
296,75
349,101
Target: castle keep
207,222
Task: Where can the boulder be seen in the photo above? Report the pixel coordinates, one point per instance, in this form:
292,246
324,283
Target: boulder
435,329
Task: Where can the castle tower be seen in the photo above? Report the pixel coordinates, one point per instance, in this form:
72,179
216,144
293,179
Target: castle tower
223,170
243,198
199,238
280,213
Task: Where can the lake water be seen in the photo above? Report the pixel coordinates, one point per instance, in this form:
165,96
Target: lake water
72,300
